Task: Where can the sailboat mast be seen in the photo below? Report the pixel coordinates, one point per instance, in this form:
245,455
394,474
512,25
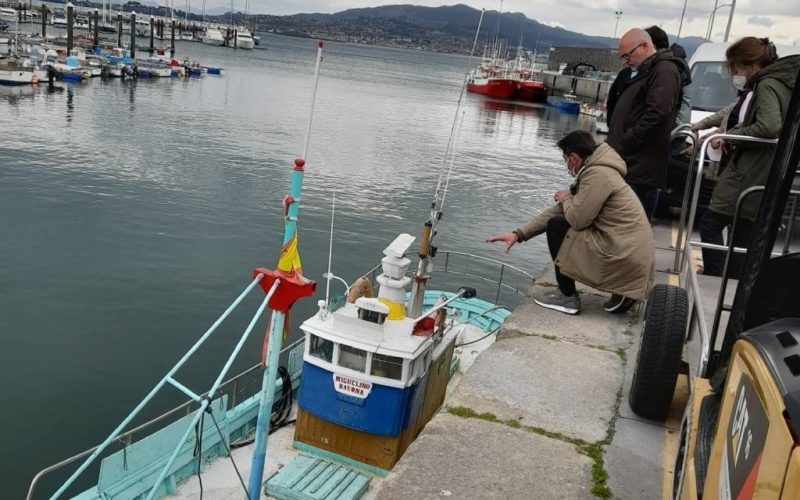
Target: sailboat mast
497,30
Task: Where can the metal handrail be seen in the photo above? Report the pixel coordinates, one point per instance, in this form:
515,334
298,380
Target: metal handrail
699,175
685,248
690,134
127,436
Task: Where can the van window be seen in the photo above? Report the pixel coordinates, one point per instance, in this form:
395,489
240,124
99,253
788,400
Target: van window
711,87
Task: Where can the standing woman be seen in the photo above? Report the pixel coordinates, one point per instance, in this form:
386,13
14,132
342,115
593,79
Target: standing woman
768,83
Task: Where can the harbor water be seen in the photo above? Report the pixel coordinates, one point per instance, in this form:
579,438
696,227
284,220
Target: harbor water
133,213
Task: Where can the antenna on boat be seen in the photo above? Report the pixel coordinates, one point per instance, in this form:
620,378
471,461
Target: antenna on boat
426,251
328,275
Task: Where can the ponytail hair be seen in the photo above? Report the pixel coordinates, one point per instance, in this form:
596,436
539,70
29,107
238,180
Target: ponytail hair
751,51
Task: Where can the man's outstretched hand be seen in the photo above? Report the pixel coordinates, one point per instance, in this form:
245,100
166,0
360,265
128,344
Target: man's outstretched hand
510,239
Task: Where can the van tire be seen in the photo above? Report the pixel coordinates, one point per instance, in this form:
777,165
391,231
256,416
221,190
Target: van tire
659,359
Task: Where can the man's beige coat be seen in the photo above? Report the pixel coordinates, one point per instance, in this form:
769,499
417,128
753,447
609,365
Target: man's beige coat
609,245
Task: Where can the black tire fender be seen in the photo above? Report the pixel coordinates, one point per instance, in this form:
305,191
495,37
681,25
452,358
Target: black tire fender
659,358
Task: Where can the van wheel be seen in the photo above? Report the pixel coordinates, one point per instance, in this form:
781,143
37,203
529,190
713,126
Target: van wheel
659,358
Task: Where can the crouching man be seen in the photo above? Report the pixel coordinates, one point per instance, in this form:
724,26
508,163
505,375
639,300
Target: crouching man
597,231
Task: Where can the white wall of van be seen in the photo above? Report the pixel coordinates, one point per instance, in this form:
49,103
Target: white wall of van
711,85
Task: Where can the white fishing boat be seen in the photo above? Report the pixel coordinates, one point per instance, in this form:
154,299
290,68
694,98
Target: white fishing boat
244,40
213,36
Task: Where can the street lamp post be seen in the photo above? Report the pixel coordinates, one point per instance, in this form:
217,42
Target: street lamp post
680,27
712,18
730,20
617,14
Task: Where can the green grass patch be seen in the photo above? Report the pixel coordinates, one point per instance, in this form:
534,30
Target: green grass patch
599,475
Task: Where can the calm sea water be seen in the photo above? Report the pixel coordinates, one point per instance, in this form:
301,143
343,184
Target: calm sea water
132,213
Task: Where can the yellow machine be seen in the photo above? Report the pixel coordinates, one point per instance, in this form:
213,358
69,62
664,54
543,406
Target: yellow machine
740,435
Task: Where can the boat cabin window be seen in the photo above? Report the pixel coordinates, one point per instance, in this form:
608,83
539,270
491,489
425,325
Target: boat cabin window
387,367
320,348
371,316
352,358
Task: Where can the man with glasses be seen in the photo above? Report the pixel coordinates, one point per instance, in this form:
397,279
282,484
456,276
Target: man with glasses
644,114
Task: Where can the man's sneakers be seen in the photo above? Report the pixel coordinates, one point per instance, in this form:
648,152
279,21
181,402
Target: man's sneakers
618,304
556,300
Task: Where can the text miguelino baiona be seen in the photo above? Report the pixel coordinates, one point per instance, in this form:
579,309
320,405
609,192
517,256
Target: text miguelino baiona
351,386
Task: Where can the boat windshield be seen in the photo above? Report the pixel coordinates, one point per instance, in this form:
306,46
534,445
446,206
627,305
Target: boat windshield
711,86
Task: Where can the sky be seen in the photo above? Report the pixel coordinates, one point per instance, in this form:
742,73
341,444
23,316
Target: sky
777,19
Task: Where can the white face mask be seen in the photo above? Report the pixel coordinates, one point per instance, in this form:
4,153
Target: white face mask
571,172
739,81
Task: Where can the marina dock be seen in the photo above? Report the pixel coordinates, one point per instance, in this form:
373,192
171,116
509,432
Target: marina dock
543,412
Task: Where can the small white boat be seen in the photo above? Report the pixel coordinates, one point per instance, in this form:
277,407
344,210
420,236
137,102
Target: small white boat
8,14
81,22
244,40
142,27
60,19
213,36
156,70
11,75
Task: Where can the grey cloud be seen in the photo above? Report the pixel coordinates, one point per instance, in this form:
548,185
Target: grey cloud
761,21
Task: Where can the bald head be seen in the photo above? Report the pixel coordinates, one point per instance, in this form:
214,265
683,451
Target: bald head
635,46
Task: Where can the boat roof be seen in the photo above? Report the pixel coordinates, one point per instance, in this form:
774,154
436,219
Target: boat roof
392,338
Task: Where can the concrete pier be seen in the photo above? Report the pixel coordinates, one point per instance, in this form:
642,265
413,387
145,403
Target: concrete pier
543,412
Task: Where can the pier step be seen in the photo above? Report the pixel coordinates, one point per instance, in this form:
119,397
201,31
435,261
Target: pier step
311,478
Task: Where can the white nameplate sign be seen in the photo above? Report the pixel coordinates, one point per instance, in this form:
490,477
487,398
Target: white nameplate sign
351,386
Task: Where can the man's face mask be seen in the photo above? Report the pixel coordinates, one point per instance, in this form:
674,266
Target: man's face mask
573,173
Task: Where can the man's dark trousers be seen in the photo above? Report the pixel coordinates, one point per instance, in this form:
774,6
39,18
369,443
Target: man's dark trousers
556,232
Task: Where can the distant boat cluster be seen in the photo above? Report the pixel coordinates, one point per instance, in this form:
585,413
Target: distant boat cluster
505,79
75,57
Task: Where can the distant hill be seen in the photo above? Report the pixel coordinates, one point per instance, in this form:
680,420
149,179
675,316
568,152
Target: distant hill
461,20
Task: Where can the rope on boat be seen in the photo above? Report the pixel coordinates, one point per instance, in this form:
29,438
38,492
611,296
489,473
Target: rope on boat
313,98
438,201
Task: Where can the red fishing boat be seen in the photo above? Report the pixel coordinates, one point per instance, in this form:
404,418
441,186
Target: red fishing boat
531,91
492,86
492,80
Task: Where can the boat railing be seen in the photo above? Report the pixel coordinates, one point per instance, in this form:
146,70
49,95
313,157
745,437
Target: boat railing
237,388
460,263
202,400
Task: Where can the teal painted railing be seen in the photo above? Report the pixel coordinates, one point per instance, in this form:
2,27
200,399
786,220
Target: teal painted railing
169,379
